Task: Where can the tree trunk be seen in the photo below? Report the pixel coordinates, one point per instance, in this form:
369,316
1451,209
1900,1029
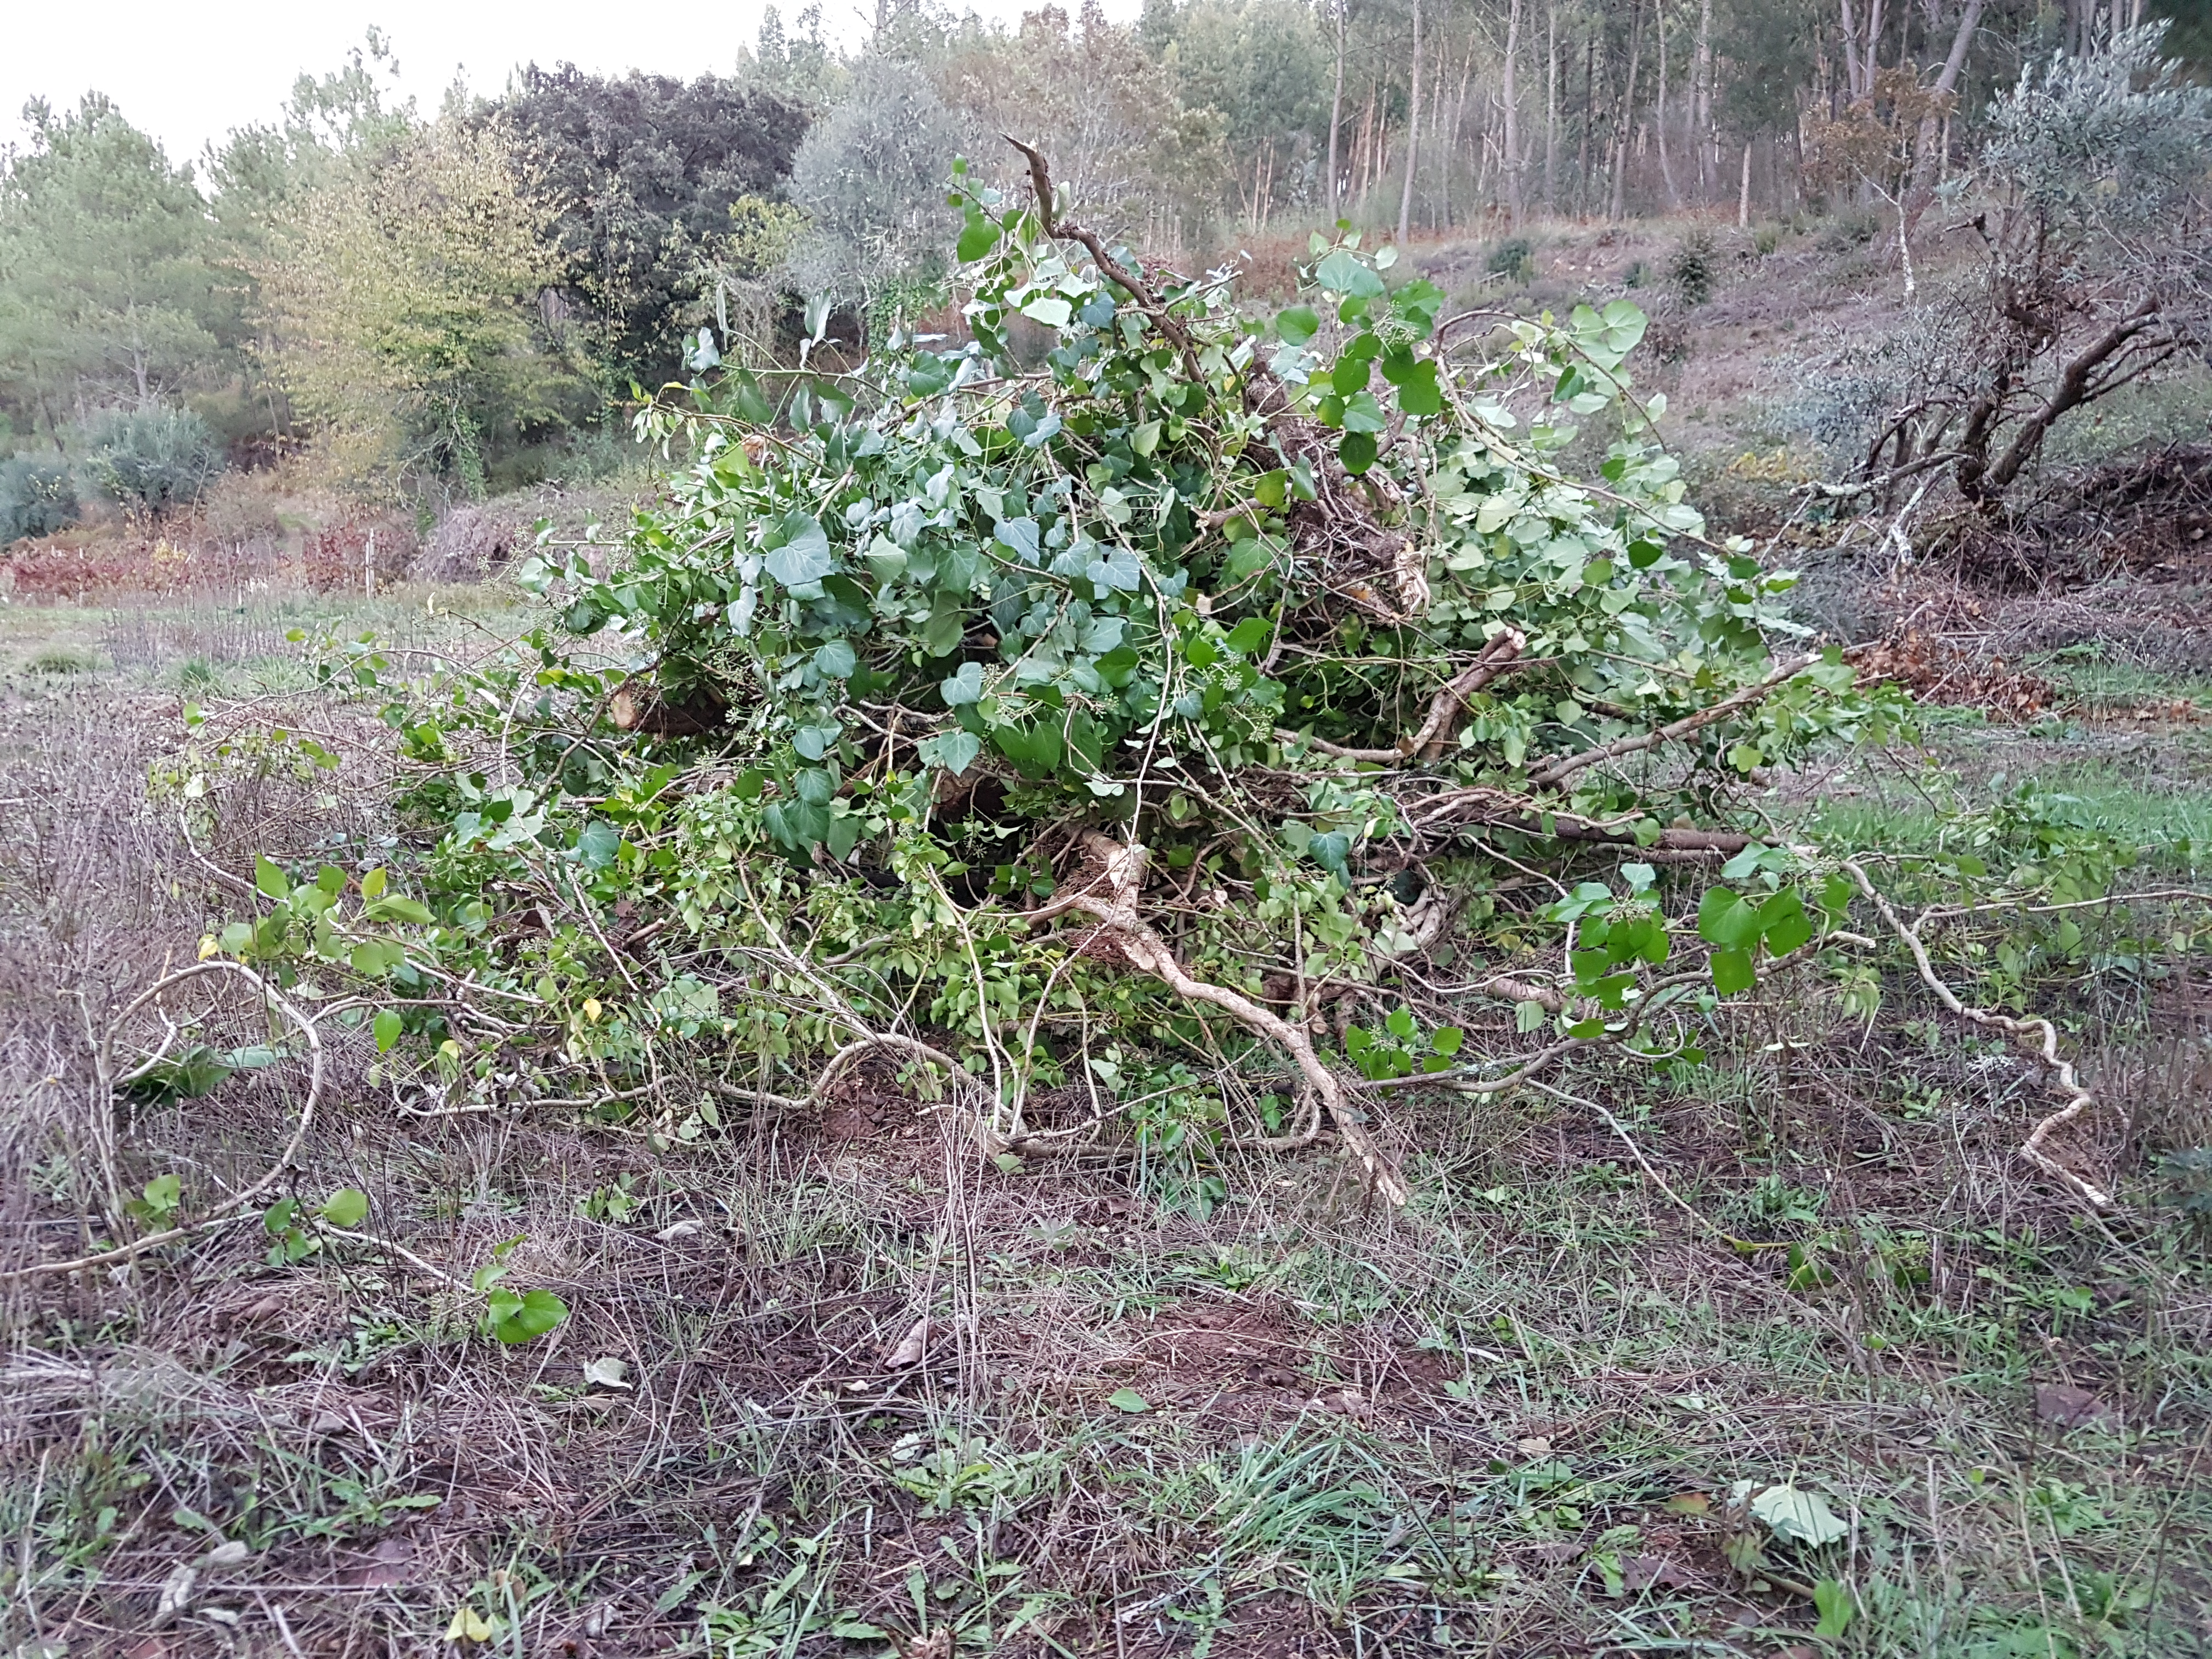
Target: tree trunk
1929,142
1589,120
1618,208
1743,192
1552,107
1512,116
1702,135
1659,112
1336,112
1412,134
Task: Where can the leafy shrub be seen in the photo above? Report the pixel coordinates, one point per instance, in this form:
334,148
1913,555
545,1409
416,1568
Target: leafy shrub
153,459
37,497
1694,270
1766,240
1851,230
1514,260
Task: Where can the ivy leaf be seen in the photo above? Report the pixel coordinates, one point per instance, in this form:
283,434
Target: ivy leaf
804,555
515,1319
1020,535
977,237
1798,1517
346,1208
1118,570
966,686
1341,272
1050,309
1363,414
598,844
1724,919
198,1070
836,659
1732,972
1356,451
1129,1400
1783,921
387,1026
1418,393
1331,850
268,879
1296,323
955,751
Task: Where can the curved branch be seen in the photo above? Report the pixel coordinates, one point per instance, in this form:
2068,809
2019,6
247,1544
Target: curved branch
2080,1103
1142,948
226,1212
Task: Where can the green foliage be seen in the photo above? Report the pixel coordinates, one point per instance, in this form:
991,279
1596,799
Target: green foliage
37,497
2107,140
900,636
1514,258
403,304
105,265
152,459
659,188
510,1316
1695,268
870,174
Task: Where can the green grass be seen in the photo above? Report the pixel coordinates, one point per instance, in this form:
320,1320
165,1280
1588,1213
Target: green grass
1513,1419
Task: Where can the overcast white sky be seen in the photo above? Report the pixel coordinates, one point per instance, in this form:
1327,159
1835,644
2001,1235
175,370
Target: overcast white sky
188,73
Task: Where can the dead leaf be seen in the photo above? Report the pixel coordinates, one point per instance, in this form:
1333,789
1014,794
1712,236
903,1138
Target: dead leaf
176,1593
2070,1407
1557,1552
389,1566
911,1347
937,1644
1689,1503
1644,1571
1535,1445
678,1229
606,1372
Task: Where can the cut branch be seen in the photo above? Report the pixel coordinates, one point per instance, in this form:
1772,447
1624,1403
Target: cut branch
1145,949
1734,704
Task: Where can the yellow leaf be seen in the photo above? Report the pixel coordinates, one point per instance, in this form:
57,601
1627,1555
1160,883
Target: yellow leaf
208,946
468,1626
591,1009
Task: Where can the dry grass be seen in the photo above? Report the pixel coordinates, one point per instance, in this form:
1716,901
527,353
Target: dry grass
1148,1416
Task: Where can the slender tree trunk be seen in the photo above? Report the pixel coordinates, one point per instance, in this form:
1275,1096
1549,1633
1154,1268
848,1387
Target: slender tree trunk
1412,134
1930,144
1743,192
1336,112
1701,114
1552,107
1659,113
1589,120
1512,96
1618,207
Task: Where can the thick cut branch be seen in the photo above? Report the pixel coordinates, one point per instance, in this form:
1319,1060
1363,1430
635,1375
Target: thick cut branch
1145,949
1108,266
2074,388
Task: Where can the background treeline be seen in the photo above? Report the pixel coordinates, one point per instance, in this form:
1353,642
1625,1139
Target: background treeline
445,304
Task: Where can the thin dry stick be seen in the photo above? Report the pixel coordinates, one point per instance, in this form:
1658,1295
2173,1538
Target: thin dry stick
1734,704
225,1213
2080,1103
